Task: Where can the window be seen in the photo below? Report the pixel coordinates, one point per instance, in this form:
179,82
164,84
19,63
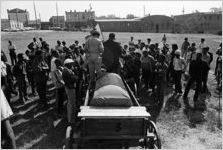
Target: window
218,17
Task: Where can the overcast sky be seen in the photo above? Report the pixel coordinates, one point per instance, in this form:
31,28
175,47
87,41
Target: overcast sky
46,9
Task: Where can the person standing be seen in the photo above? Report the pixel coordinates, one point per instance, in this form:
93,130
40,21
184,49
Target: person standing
7,133
40,71
170,70
33,46
59,84
131,44
116,52
206,58
58,47
164,39
29,70
184,48
20,73
12,53
201,45
94,49
160,78
70,78
179,66
147,62
196,70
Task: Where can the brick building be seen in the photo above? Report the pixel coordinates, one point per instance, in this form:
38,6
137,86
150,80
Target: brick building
57,21
76,19
198,23
152,24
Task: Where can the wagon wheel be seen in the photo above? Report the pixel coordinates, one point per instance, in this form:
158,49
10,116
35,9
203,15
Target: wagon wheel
153,140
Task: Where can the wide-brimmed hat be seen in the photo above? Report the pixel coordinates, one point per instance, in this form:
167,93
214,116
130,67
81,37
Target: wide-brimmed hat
67,61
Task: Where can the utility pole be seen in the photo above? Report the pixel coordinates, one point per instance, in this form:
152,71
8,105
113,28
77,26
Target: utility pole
183,10
40,21
35,13
57,14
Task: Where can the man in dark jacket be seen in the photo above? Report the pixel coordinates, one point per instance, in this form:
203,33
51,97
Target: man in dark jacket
197,69
40,69
113,48
20,73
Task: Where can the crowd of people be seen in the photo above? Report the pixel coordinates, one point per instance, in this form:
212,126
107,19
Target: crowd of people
143,65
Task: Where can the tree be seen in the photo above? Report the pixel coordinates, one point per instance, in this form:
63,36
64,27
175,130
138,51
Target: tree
215,9
130,16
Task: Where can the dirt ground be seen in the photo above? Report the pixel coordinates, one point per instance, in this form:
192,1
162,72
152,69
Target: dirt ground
35,127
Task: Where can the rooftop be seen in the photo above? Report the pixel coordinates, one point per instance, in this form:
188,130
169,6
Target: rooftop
16,10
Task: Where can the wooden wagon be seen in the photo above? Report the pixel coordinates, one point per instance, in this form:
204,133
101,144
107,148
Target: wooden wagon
113,127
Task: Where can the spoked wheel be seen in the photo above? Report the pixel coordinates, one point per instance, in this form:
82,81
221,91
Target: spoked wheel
153,140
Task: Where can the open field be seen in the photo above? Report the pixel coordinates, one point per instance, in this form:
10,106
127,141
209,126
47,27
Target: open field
38,128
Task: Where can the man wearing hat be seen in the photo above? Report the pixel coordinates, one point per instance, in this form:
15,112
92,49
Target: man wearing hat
94,49
19,72
113,50
70,78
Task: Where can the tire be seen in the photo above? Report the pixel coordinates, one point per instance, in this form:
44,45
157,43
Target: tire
155,142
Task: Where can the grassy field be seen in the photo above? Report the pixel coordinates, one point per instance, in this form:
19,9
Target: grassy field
39,128
22,39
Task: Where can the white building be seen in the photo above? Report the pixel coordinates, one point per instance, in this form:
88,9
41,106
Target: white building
19,15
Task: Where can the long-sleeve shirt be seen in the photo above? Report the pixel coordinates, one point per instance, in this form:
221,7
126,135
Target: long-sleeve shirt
179,64
94,45
70,78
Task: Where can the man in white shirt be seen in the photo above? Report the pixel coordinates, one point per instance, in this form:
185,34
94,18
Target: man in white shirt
179,66
201,45
131,44
12,53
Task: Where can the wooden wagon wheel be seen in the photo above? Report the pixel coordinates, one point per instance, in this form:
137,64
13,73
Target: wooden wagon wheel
153,140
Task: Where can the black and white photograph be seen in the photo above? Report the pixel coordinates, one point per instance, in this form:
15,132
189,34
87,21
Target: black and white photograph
99,74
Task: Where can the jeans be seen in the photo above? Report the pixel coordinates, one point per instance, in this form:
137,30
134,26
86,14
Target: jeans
12,55
197,90
177,81
22,87
60,98
31,81
41,90
94,64
204,82
71,105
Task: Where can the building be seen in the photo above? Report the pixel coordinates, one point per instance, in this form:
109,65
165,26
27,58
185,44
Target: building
57,21
19,15
45,25
35,23
11,24
198,23
152,24
78,19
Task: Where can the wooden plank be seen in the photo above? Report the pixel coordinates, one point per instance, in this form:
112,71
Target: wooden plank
115,127
113,112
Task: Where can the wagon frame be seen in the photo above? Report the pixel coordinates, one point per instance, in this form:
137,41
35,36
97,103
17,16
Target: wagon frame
113,125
